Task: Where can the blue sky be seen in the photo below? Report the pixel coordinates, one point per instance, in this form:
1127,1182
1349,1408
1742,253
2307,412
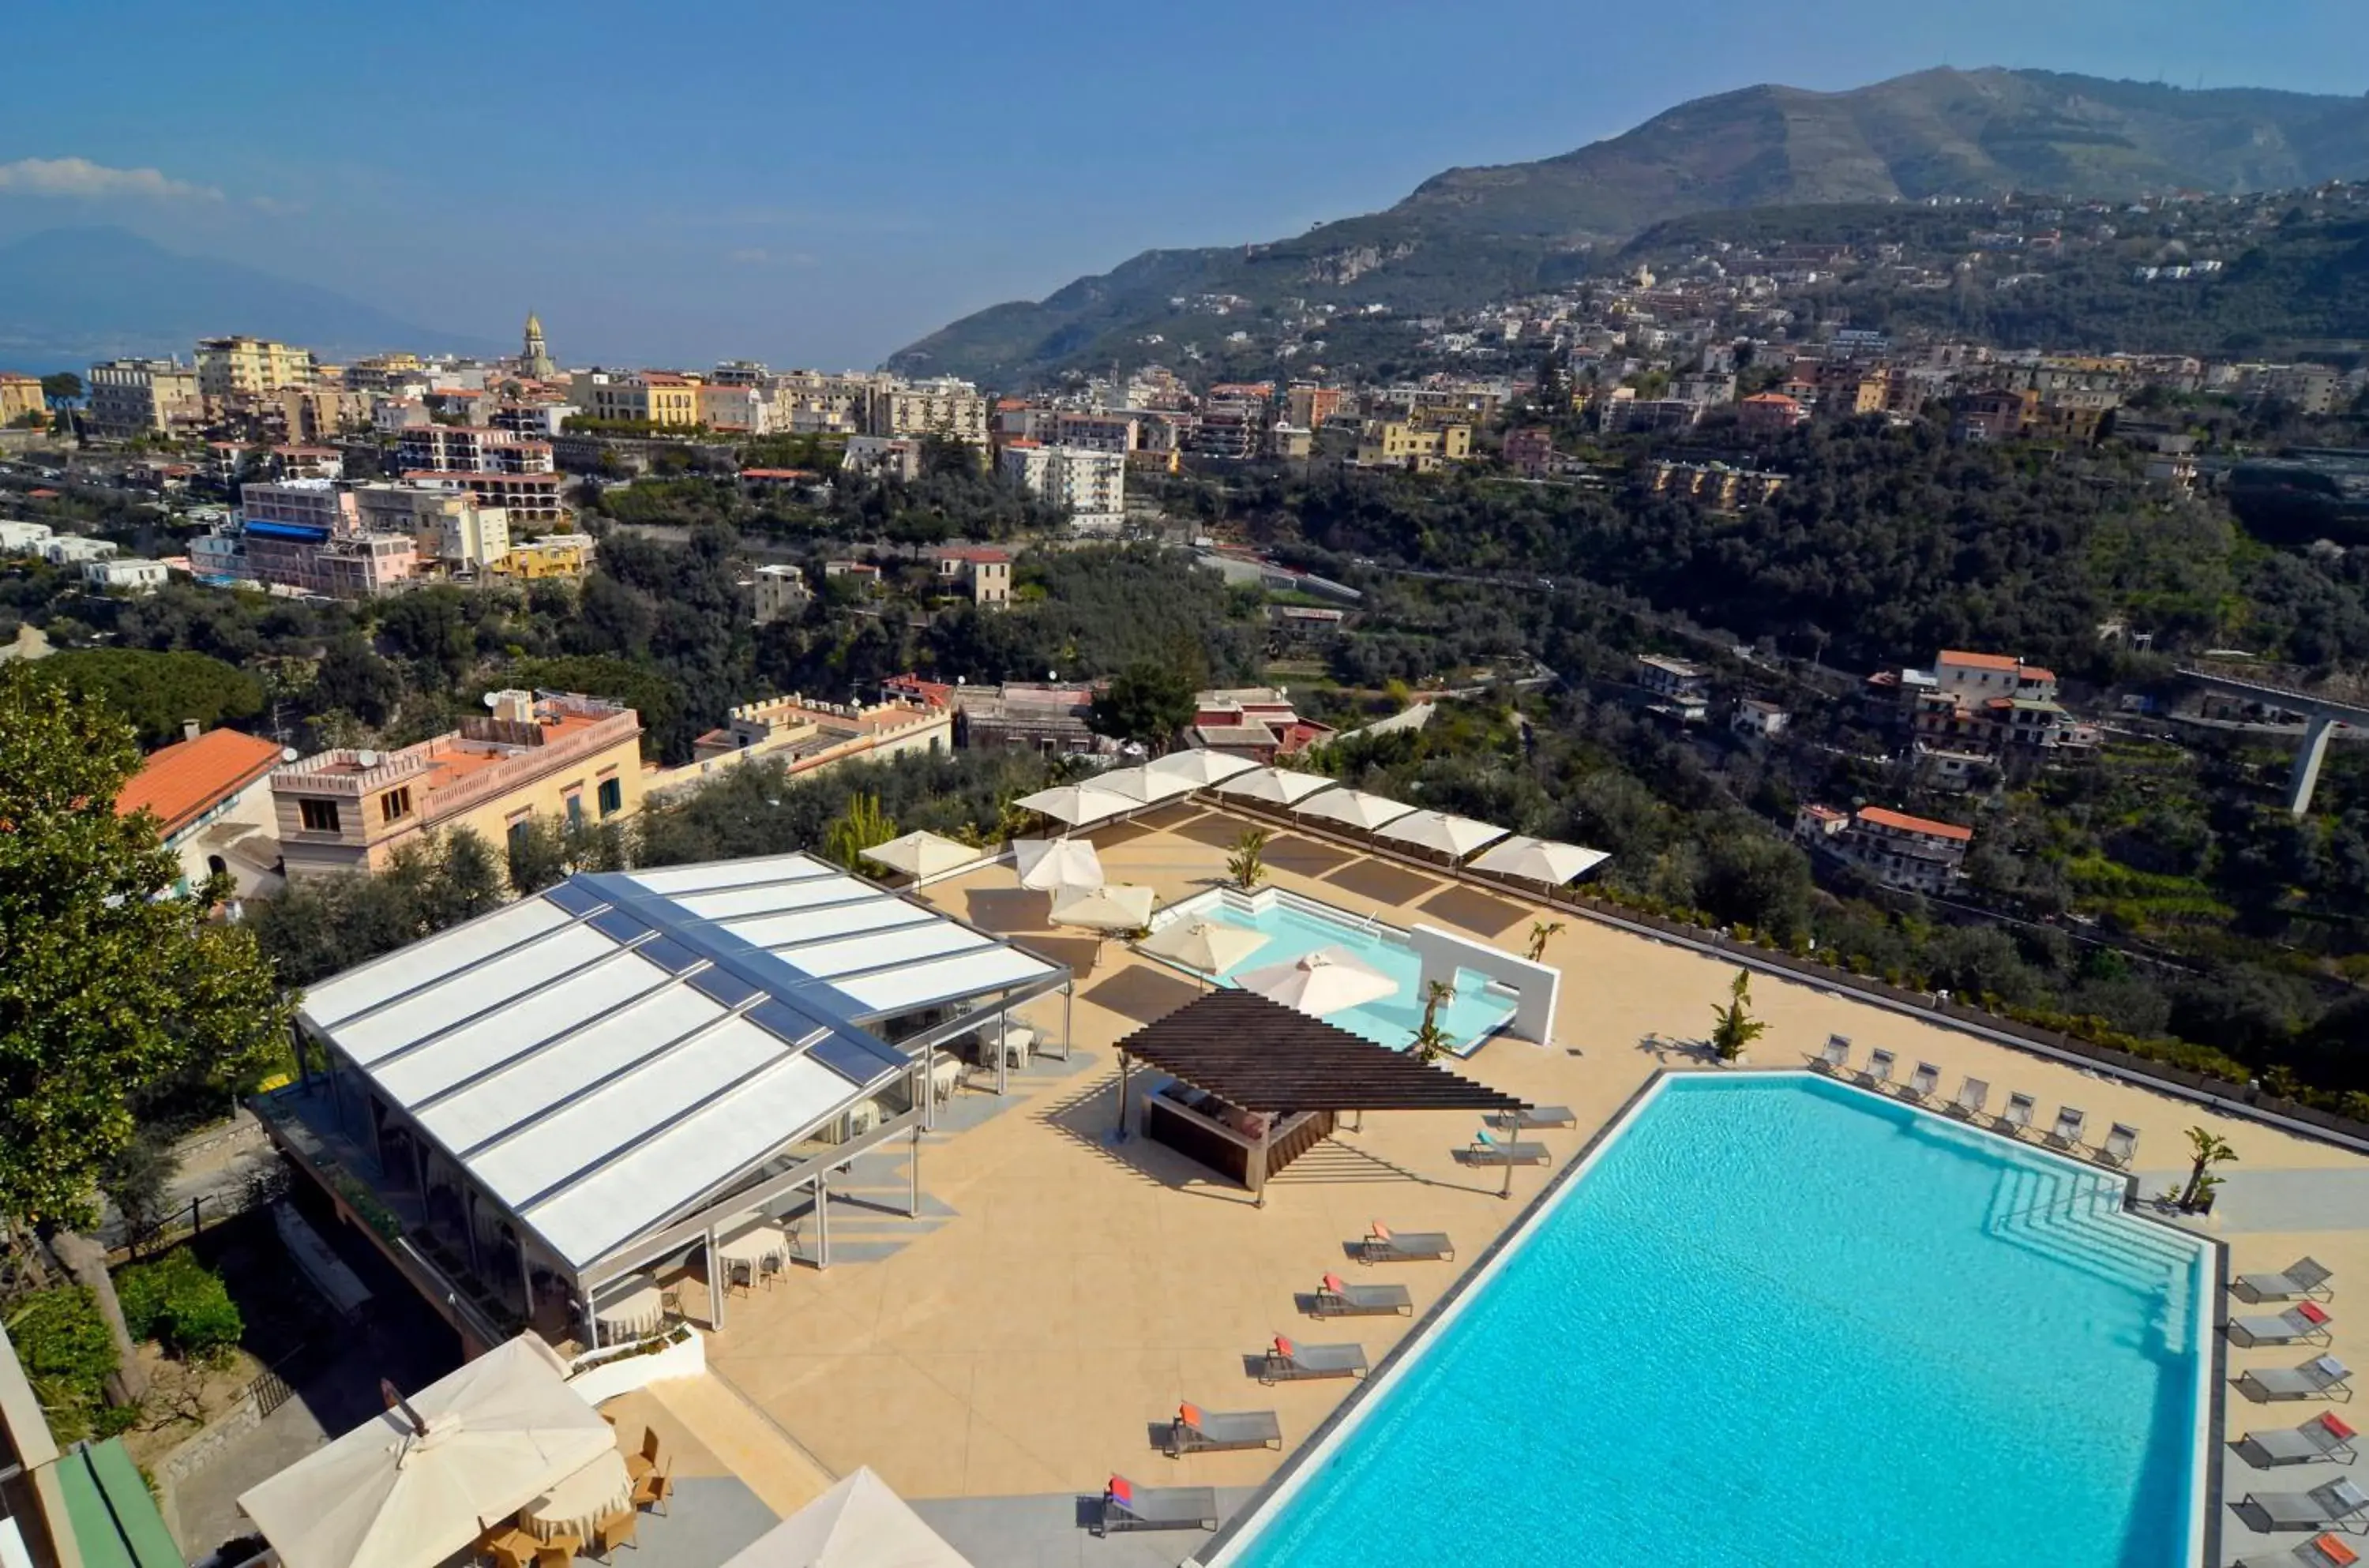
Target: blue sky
815,184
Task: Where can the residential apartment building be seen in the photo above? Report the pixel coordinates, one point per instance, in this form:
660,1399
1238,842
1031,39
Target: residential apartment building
211,796
308,535
1991,707
808,736
1396,443
1021,716
1308,405
781,593
231,368
1529,450
1715,484
451,529
810,402
883,457
941,406
986,572
1092,432
532,500
1908,854
136,397
124,575
22,401
647,398
1256,722
554,556
1769,413
1680,686
531,756
1092,485
471,449
742,409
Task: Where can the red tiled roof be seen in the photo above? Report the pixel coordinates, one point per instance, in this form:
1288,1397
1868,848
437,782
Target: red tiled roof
1902,822
184,780
778,473
1976,660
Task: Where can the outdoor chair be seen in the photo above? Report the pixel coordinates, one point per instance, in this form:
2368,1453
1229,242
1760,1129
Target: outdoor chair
1126,1506
614,1531
738,1276
1836,1055
640,1464
2319,1551
1923,1083
1536,1118
1878,1070
2323,1437
2305,1324
2340,1501
2018,1115
769,1269
1973,1095
1287,1362
671,1304
653,1487
2122,1143
2303,1277
1384,1245
559,1551
1335,1299
1199,1431
507,1547
1486,1149
2322,1377
2066,1133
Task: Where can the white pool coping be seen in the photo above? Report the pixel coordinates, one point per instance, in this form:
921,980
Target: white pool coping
1241,1533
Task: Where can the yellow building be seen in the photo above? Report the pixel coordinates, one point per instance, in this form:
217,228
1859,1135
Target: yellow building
1399,443
350,810
20,394
811,736
650,398
233,366
552,556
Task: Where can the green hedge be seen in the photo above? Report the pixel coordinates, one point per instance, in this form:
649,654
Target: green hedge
181,1304
67,1356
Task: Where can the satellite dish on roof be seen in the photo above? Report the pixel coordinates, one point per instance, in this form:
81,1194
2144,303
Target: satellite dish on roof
288,753
492,699
366,759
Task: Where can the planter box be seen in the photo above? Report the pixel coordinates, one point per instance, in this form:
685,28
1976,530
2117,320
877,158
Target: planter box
610,1378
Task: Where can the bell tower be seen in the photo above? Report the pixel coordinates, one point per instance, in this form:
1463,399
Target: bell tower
536,358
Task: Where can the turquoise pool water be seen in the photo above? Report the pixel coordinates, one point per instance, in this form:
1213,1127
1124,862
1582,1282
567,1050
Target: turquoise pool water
1293,933
1782,1323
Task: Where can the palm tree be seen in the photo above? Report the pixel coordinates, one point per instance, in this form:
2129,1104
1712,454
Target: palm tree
2210,1149
1431,1042
1734,1027
1541,930
1247,864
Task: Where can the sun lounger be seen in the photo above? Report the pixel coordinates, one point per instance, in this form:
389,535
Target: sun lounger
1126,1506
2322,1377
2305,1276
1878,1070
1835,1056
2319,1551
2018,1115
1923,1083
1487,1148
2341,1502
2322,1437
1199,1431
2066,1133
1287,1362
1973,1095
1334,1299
1537,1116
1385,1245
2303,1323
2122,1142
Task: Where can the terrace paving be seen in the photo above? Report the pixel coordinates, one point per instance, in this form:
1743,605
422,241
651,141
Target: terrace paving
1026,1346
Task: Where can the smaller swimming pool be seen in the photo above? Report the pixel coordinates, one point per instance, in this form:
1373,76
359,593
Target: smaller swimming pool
1294,927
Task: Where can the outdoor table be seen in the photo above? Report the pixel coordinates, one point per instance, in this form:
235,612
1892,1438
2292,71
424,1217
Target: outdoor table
638,1312
945,1074
578,1505
754,1247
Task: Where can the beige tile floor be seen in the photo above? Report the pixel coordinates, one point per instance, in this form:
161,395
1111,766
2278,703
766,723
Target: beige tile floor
1084,1289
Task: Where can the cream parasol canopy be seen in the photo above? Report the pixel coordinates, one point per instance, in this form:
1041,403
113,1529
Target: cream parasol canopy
1118,907
1325,981
1053,866
1210,946
921,854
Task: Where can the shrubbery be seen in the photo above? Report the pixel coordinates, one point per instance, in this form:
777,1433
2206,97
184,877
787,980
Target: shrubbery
181,1304
68,1356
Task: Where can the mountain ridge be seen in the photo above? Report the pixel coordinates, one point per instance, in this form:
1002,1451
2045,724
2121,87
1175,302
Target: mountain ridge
1468,231
69,296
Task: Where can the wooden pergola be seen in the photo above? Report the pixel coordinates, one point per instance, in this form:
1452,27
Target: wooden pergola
1273,1061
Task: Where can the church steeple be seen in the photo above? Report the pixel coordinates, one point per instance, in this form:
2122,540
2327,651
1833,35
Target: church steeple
536,359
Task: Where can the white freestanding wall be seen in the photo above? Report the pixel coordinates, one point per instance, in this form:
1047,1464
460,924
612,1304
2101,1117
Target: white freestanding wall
1535,985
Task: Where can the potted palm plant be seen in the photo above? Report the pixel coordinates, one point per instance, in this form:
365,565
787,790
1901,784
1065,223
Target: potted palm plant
1733,1027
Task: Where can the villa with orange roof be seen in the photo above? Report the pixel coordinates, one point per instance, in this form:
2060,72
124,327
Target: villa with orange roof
212,800
1909,855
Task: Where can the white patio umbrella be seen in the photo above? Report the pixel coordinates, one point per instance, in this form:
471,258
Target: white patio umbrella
1321,982
1201,767
419,1482
1541,860
1441,834
1142,785
859,1523
1052,866
1355,809
1277,787
1076,805
1210,946
1119,907
921,854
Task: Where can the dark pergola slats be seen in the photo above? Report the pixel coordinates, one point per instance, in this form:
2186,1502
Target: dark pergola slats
1263,1055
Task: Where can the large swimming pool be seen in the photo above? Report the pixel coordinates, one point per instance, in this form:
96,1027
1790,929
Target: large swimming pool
1294,927
1781,1322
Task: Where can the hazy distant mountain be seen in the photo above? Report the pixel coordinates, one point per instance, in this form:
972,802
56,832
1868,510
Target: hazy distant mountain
69,296
1470,232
